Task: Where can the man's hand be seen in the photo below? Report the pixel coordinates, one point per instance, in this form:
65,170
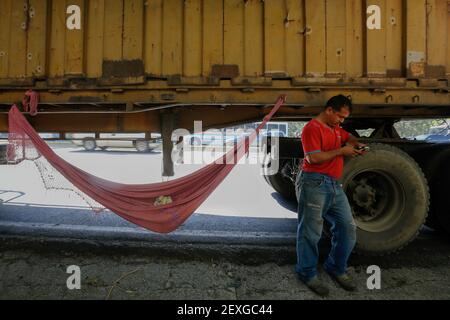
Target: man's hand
359,145
350,151
321,157
353,141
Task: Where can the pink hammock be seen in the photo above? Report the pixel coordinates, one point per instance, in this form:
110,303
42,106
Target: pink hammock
136,203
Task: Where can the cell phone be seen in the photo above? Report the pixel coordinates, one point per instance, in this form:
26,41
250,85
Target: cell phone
362,148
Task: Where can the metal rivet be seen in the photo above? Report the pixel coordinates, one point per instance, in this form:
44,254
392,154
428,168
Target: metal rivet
23,25
2,54
29,56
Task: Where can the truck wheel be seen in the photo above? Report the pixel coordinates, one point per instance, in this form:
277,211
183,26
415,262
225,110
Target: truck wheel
281,180
3,148
434,169
443,202
141,145
89,144
440,183
195,142
389,197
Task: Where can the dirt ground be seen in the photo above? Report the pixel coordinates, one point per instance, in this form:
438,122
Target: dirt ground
37,269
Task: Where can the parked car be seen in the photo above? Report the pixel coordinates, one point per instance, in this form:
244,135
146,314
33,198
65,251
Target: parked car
230,137
4,135
117,140
439,134
433,138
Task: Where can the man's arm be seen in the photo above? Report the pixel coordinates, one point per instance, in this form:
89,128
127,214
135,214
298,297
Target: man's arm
321,157
312,147
352,140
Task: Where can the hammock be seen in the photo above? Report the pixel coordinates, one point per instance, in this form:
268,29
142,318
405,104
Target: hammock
137,203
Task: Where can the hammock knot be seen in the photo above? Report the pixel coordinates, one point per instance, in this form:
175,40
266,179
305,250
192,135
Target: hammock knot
30,102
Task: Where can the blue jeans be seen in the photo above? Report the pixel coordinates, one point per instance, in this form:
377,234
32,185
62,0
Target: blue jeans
320,198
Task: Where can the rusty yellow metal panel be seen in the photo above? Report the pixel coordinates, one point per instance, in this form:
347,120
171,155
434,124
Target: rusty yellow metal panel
5,36
94,50
295,41
18,45
133,29
233,33
354,36
113,27
153,37
376,44
212,35
57,39
74,49
394,37
315,38
172,40
274,38
253,38
336,37
436,41
416,27
192,50
37,38
210,39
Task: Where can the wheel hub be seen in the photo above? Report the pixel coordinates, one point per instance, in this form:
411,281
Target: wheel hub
373,196
364,196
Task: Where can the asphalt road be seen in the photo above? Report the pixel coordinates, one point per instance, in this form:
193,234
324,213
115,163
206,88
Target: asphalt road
38,269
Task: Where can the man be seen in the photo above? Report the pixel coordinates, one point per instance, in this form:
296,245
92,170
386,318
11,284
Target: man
321,197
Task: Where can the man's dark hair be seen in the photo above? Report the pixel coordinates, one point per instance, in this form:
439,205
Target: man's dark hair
339,102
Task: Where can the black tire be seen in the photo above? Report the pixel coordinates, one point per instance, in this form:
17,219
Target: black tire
3,158
434,169
141,146
440,186
389,196
195,141
89,144
279,181
443,203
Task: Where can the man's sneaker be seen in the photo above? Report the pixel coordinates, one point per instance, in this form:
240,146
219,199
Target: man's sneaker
318,287
345,281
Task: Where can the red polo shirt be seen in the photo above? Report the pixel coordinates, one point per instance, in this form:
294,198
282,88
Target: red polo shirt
318,137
